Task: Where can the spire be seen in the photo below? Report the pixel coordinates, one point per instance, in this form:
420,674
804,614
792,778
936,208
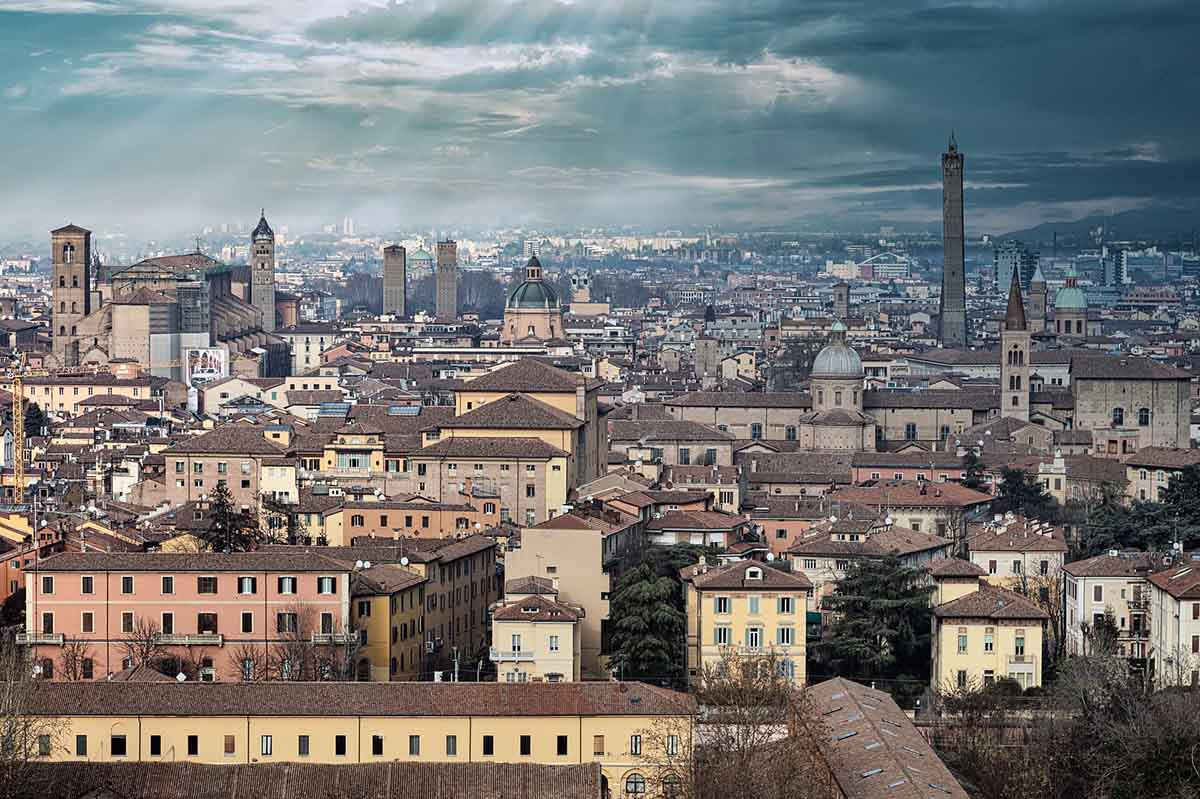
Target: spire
263,230
1014,317
953,142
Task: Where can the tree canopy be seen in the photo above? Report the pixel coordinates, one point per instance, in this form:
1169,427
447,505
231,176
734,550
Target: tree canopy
647,626
1147,525
231,529
1021,493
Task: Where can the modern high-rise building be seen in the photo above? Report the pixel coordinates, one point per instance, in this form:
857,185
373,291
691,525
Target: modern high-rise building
1013,256
348,226
395,280
262,272
1116,268
953,304
71,292
447,280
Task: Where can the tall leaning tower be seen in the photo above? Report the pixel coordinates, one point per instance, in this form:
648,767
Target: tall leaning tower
954,281
262,272
72,289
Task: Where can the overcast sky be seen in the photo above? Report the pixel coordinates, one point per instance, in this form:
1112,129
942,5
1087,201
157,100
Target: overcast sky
165,115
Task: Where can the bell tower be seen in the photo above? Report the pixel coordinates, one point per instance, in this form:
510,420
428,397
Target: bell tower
1015,357
262,271
72,290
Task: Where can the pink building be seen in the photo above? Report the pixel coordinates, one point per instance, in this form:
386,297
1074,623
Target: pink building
91,614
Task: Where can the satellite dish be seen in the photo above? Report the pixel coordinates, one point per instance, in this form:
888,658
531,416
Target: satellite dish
37,670
888,521
770,556
404,561
181,677
366,564
832,519
358,564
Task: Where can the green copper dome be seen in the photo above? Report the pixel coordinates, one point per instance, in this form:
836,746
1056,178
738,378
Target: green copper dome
1070,298
533,294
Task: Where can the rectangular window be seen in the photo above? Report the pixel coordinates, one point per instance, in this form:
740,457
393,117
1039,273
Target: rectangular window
206,623
127,622
193,745
247,621
302,746
721,636
285,622
562,746
326,585
785,635
597,745
168,623
672,745
81,746
127,584
247,585
526,745
451,745
206,585
286,585
339,745
1097,593
414,745
268,745
554,643
155,745
48,623
117,746
754,603
635,744
721,604
47,584
230,745
989,642
86,584
377,745
962,644
786,605
168,585
489,745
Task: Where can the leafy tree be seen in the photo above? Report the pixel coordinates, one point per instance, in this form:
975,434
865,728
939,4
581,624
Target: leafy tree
232,530
1147,526
973,469
1022,493
648,626
35,420
881,620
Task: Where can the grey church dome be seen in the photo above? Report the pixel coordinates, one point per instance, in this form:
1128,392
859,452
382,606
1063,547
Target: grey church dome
837,360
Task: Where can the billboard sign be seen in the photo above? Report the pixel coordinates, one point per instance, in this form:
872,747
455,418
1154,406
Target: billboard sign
205,364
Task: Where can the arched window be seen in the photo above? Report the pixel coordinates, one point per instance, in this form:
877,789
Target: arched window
74,308
1144,417
1118,416
635,784
672,787
62,330
74,281
68,253
789,432
72,330
62,307
62,281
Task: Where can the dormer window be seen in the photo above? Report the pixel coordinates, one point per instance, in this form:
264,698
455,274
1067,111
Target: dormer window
754,573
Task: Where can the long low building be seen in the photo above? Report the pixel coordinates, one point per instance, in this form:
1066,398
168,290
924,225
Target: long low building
615,724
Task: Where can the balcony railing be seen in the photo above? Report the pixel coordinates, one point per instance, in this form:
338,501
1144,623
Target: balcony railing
189,639
500,655
1015,660
30,639
1139,604
334,638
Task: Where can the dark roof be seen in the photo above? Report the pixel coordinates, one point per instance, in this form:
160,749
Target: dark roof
1182,580
314,397
1015,534
530,585
1014,315
895,541
262,229
516,411
488,447
163,780
355,699
740,399
955,567
872,748
525,375
990,602
912,494
1164,458
230,439
1123,564
537,608
732,577
70,228
1109,367
695,520
650,431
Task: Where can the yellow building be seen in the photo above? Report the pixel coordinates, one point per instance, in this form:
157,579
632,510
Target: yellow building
535,637
982,633
614,724
746,608
388,615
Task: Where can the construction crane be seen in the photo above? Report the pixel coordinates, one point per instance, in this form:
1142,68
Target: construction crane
18,428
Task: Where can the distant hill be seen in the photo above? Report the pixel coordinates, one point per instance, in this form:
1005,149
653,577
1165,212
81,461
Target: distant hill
1160,223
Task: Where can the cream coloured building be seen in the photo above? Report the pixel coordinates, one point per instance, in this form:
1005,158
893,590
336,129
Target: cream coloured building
535,638
1016,551
1175,623
746,608
1113,584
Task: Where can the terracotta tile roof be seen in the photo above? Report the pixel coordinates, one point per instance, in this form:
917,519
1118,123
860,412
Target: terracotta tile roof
917,460
1108,367
163,780
384,579
740,399
227,440
647,498
1124,564
696,520
896,541
526,375
1182,580
733,577
1164,458
990,602
314,397
211,562
515,411
912,494
537,608
871,747
955,567
346,699
488,447
649,432
1015,534
530,585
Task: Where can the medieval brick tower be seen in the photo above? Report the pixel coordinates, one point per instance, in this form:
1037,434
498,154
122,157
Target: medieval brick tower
954,281
1015,360
262,272
71,293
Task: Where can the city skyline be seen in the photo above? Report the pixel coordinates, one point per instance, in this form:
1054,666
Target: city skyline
541,113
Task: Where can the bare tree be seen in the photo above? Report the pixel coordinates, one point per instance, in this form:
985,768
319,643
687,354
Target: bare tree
253,663
141,644
24,737
75,651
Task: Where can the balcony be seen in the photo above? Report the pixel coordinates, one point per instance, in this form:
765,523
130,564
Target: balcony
1022,660
501,655
46,639
334,638
189,639
1137,604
